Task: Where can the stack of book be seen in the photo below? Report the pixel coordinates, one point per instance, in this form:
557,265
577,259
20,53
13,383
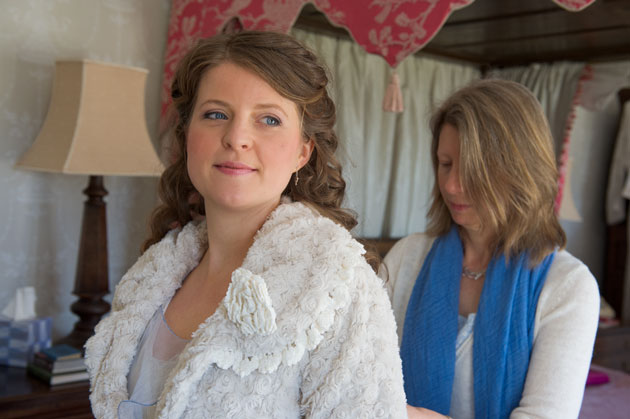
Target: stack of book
59,364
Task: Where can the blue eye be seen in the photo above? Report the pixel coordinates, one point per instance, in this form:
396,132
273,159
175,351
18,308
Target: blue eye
214,115
271,121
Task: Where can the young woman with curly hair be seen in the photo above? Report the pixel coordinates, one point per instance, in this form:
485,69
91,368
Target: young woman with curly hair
251,299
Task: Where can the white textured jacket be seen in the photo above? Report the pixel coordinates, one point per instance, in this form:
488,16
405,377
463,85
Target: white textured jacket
305,330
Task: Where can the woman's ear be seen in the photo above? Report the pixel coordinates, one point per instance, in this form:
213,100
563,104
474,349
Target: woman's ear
305,152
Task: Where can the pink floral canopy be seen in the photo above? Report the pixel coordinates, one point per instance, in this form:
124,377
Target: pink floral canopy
392,29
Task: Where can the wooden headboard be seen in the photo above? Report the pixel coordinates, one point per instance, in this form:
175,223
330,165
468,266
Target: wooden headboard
516,32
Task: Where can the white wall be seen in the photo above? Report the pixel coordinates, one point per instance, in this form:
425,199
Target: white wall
41,213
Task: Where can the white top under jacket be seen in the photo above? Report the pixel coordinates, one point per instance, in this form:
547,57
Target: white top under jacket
565,325
321,342
156,356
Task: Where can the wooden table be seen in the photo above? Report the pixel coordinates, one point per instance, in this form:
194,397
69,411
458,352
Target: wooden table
22,396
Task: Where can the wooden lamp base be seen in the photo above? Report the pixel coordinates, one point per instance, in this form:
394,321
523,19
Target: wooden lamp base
92,280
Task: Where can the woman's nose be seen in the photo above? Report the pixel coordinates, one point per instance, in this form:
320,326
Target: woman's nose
453,183
238,135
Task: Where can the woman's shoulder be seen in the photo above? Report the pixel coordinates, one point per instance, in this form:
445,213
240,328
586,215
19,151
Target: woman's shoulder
567,269
302,254
402,265
163,265
569,284
412,244
295,233
303,221
408,253
180,242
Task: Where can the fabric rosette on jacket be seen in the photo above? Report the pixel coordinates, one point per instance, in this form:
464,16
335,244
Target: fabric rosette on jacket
248,304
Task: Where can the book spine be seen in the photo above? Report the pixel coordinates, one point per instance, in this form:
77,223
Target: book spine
42,356
69,378
39,373
61,352
43,363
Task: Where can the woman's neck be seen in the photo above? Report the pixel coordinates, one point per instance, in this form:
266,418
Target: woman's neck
230,235
477,249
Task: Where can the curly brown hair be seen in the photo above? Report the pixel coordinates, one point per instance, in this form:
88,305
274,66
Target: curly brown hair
507,167
296,74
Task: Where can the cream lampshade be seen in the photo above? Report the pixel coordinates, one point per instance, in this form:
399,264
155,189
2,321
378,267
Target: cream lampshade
95,123
95,126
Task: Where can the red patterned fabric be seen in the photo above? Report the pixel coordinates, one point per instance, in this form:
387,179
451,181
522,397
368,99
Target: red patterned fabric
574,5
391,28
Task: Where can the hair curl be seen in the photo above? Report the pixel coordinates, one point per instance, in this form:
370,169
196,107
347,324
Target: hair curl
507,167
296,74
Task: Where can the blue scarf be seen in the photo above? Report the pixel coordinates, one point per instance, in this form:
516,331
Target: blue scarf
504,330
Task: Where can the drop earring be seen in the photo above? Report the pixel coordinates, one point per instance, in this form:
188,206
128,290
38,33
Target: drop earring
297,176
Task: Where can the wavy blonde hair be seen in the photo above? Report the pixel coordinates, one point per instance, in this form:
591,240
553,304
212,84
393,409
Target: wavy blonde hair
507,167
296,74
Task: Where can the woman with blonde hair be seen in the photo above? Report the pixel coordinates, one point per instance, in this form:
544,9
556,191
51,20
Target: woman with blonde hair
495,319
252,299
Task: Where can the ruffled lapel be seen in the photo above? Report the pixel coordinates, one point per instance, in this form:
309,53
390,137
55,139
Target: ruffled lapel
151,282
296,274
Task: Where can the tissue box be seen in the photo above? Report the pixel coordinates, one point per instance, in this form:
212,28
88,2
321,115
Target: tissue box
19,340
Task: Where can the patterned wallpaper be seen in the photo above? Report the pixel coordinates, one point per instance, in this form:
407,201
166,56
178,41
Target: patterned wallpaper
41,213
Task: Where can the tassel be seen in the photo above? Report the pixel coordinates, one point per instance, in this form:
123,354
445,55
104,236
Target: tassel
393,101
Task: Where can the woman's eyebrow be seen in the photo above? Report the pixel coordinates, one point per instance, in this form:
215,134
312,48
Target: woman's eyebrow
271,106
215,102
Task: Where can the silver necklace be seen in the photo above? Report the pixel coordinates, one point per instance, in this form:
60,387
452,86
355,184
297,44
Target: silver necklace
472,274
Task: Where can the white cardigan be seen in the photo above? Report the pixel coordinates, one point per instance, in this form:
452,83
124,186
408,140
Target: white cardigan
564,330
320,342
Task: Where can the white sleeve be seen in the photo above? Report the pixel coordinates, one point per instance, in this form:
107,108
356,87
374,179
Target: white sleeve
403,264
388,271
356,370
566,322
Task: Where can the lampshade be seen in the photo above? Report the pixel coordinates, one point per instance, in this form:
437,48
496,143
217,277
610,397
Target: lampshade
95,123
